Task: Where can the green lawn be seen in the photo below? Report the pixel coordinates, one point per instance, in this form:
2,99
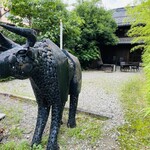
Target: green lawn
135,133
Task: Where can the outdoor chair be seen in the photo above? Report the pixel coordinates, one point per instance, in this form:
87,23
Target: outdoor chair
124,66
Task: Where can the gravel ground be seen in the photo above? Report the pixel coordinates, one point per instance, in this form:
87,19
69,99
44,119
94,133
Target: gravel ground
100,96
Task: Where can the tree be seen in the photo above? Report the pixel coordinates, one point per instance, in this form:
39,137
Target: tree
5,10
140,30
98,29
85,28
44,16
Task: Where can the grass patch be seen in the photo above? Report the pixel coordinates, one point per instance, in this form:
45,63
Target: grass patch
11,123
6,79
16,132
88,130
13,114
23,145
12,145
134,134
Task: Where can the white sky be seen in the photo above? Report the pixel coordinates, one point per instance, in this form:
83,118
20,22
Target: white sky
108,4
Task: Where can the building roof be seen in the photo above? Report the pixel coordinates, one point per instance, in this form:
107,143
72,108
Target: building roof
119,15
125,40
128,40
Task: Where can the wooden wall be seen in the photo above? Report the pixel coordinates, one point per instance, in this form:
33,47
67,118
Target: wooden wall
121,52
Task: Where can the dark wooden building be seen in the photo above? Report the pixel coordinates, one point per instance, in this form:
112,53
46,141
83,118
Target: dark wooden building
121,51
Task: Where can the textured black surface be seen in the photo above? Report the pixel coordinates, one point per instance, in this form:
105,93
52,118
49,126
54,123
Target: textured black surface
54,74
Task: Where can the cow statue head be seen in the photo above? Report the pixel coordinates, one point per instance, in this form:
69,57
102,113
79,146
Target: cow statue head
17,60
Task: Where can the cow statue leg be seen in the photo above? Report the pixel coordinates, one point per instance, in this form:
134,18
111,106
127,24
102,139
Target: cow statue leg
72,110
55,126
43,113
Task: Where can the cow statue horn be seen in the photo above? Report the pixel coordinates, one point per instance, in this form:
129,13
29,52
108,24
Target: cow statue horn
6,43
30,34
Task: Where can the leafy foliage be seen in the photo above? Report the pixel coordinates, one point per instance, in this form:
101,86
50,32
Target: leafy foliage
98,29
140,30
44,16
85,29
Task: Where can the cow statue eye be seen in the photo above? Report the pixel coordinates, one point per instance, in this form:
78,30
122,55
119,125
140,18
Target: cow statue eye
21,52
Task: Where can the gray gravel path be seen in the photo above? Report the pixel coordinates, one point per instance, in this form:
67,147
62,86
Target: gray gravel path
100,95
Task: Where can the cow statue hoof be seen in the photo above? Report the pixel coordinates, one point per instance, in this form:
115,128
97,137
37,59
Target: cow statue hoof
71,123
53,147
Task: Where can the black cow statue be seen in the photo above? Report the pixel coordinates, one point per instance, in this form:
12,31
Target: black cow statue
54,74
